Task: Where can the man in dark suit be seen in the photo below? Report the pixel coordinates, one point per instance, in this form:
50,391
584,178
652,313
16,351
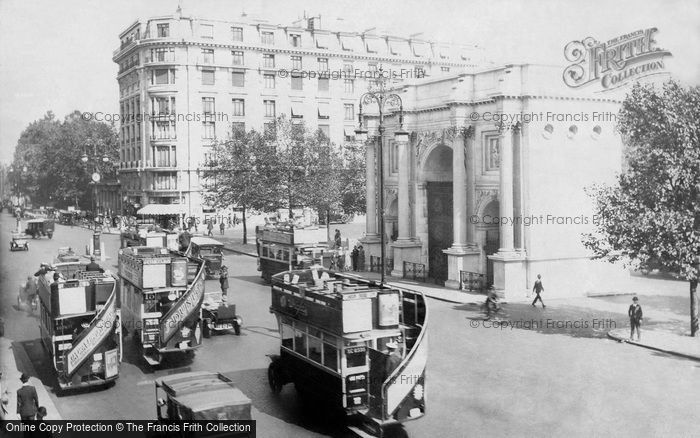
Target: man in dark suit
635,314
538,289
27,400
93,266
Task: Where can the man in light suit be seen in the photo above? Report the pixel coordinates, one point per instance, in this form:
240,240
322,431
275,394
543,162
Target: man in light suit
27,400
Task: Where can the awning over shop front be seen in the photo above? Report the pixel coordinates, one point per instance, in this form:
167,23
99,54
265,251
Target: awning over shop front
398,48
161,210
375,45
350,43
421,49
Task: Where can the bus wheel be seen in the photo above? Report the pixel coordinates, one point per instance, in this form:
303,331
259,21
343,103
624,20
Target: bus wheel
274,379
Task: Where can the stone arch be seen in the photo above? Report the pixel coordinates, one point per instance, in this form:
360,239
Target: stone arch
436,163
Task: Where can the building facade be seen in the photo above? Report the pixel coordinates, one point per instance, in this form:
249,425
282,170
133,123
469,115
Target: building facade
186,82
493,180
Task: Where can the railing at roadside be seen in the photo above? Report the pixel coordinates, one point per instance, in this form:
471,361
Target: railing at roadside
414,271
472,282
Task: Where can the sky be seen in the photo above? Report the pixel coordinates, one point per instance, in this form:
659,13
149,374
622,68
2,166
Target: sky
57,55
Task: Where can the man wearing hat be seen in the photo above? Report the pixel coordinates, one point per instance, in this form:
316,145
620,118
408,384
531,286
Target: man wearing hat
27,400
635,314
394,359
93,266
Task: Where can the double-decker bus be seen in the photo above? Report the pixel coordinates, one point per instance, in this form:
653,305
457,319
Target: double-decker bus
283,247
335,330
161,294
80,325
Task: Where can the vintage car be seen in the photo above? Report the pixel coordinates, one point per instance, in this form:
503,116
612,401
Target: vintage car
19,242
209,250
40,227
201,395
218,315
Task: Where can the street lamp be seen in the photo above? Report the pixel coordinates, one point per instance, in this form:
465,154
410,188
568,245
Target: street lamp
96,176
385,100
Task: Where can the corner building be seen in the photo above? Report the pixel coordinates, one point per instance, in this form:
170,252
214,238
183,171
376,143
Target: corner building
185,82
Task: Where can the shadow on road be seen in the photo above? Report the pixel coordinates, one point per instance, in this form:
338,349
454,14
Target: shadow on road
255,279
289,407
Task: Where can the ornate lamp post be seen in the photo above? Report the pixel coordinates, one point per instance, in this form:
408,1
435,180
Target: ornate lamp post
95,159
385,100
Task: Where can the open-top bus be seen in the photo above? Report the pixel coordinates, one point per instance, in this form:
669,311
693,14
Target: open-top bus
161,300
283,247
334,329
80,325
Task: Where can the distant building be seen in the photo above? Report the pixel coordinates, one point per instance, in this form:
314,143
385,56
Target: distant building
185,82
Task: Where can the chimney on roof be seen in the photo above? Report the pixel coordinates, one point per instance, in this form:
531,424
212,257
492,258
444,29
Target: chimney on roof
314,23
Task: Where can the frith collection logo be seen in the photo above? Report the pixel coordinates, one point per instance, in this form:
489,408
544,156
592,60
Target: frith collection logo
615,62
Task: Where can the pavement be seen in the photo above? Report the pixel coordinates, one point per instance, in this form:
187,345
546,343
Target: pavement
13,362
661,340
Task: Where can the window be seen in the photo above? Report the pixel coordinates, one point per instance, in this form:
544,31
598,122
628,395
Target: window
206,30
163,30
297,82
164,157
162,130
349,111
326,129
238,78
300,341
238,107
207,56
269,108
444,69
295,40
323,110
349,86
163,105
323,84
372,67
237,33
163,76
269,81
237,57
315,346
268,60
162,55
208,130
287,336
348,67
330,356
297,110
267,38
207,77
165,181
322,64
208,105
296,63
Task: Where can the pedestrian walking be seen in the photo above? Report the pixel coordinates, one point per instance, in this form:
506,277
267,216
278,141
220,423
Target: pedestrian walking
360,258
210,227
538,289
27,400
635,314
223,281
337,239
354,256
222,227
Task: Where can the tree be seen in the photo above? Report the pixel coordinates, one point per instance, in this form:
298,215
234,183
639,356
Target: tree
52,150
651,217
241,174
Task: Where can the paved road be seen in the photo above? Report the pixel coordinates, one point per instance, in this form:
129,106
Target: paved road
542,372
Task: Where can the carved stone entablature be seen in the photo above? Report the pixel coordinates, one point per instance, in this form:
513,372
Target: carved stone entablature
483,198
424,139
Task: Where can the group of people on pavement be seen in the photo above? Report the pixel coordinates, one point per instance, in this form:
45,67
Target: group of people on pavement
28,406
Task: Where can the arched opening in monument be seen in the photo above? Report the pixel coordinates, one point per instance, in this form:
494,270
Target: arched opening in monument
437,172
